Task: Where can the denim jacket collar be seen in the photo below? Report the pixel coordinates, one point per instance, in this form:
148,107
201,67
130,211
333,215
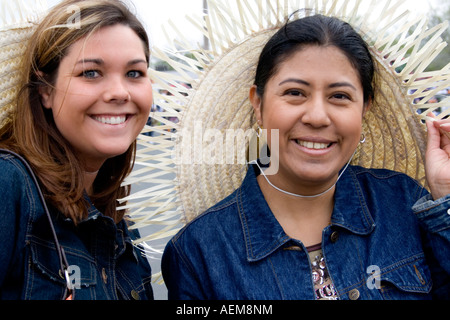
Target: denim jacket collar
350,209
263,233
119,231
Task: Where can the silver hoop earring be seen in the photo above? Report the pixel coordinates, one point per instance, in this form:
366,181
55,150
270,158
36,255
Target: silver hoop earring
259,132
363,139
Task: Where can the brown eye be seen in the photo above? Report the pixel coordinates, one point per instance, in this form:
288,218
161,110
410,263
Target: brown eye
293,92
341,96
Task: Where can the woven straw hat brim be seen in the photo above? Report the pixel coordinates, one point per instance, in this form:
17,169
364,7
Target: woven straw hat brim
12,48
17,23
178,183
223,109
395,135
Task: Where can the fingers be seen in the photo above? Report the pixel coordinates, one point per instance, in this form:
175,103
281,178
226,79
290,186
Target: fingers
445,129
436,127
434,137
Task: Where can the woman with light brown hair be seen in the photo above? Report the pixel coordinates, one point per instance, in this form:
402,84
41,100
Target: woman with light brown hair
68,143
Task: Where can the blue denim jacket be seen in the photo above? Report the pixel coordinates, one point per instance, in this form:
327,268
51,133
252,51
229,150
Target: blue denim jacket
105,264
238,250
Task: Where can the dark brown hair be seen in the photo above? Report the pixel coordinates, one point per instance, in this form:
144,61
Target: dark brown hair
321,31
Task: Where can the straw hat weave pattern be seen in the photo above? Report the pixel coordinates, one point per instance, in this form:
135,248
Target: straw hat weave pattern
16,27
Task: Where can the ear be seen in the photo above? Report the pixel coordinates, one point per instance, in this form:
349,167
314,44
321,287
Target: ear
367,107
256,102
45,91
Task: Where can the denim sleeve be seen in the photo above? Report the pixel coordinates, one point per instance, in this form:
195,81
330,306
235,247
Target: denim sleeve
434,217
7,230
179,276
11,207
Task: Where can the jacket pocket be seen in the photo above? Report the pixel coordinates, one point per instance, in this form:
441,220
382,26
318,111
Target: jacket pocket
45,280
410,279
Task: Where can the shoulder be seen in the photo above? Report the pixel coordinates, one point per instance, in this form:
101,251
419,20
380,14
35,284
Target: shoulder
222,216
381,175
16,182
214,234
12,169
387,181
18,194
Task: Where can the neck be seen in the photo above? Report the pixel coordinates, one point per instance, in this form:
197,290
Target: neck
91,169
301,218
89,178
305,204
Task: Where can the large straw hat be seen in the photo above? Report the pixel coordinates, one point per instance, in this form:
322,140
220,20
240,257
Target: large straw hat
177,177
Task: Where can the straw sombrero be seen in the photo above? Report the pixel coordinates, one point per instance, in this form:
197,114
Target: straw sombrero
178,181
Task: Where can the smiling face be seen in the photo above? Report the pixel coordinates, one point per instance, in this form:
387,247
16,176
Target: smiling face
102,95
316,101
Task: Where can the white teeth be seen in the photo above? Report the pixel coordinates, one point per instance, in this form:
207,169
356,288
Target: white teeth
111,120
312,145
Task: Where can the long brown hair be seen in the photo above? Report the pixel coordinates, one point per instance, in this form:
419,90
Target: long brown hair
33,132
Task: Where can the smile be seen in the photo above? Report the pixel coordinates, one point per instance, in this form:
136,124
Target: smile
313,145
111,120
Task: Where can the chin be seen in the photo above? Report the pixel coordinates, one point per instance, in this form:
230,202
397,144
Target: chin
315,174
114,152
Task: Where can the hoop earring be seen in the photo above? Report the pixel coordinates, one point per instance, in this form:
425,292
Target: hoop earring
363,138
259,132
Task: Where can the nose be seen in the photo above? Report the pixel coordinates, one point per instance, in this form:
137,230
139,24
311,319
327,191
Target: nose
315,113
116,91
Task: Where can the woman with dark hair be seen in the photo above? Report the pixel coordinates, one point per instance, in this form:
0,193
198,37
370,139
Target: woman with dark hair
83,98
318,228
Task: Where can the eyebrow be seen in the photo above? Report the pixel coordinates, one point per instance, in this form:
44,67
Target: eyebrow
101,62
136,61
306,83
95,61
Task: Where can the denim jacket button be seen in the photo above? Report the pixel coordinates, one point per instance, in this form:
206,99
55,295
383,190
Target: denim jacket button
448,212
334,236
135,295
353,294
